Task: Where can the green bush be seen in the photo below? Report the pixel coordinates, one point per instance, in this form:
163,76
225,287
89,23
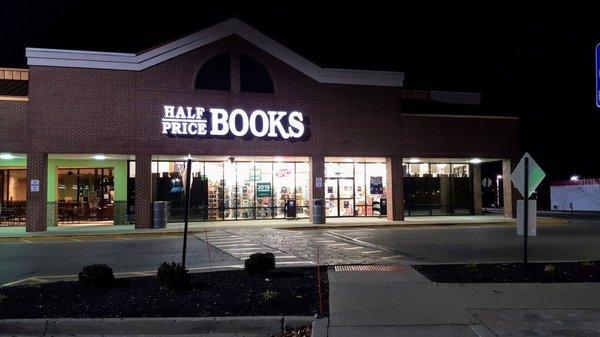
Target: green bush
549,269
260,263
172,276
96,276
471,265
271,295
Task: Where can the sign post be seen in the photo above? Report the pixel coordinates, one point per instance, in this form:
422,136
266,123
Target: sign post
526,177
188,175
526,209
598,75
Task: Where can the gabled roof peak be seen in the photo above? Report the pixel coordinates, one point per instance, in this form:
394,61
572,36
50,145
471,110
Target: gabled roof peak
141,61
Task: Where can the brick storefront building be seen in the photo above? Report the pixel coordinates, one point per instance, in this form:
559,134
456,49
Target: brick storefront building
104,135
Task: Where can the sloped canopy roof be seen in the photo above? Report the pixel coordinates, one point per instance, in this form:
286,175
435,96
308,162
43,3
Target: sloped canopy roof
137,62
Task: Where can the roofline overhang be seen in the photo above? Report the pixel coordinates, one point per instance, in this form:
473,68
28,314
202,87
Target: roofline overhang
233,26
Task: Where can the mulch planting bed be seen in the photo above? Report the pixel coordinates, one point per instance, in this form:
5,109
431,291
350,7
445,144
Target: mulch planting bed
292,291
552,272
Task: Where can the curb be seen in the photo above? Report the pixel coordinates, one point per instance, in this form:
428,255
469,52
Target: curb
319,327
150,326
159,232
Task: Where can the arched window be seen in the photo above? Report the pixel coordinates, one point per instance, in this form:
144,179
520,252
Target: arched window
215,74
254,77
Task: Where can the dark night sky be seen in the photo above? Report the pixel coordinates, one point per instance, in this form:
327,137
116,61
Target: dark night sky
530,59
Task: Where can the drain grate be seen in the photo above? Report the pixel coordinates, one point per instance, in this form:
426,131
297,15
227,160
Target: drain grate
371,267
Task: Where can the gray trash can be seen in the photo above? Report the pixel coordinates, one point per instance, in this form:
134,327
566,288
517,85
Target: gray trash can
160,213
318,211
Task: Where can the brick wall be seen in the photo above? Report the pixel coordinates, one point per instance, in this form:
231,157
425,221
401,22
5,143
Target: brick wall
13,126
459,137
108,111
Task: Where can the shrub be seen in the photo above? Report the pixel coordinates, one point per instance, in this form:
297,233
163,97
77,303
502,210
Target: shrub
471,265
96,276
270,295
587,264
549,269
172,276
260,263
3,299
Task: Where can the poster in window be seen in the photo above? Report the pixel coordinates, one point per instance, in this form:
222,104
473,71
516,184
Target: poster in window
263,190
376,185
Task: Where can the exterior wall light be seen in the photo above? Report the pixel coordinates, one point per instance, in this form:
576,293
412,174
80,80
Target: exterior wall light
574,178
6,156
100,157
475,161
414,160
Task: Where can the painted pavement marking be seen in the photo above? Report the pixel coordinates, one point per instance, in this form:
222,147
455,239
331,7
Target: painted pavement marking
241,248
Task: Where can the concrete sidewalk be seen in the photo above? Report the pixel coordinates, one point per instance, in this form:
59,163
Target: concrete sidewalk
405,303
386,304
195,227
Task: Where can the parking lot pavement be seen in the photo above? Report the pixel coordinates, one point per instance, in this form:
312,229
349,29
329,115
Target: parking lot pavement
573,241
63,259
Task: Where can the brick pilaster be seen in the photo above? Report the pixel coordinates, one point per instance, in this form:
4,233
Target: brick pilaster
510,195
477,203
394,188
37,169
143,191
317,170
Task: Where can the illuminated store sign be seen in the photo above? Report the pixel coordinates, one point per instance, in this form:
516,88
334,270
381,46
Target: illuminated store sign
180,121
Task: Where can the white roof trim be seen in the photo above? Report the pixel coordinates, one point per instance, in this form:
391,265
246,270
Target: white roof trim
137,62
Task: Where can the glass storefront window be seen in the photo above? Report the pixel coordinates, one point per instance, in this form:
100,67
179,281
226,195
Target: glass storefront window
360,192
460,170
283,184
340,170
229,190
418,170
238,190
246,177
376,180
264,190
437,189
302,187
440,170
85,194
213,172
351,188
13,185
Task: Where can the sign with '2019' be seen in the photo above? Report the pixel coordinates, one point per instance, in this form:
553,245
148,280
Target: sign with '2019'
181,121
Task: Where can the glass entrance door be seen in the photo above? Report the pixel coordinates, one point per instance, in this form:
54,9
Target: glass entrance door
339,194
